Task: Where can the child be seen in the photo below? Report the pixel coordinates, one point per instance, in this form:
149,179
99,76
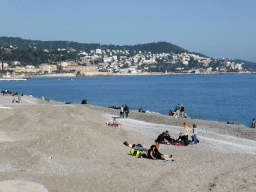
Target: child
185,115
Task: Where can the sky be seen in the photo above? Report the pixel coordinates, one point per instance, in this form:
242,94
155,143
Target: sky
216,28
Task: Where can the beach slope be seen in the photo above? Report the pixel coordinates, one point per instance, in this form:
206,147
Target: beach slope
71,148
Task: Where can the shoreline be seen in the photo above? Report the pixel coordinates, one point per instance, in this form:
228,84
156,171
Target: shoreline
107,74
152,113
237,130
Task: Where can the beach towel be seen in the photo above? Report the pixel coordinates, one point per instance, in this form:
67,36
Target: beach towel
176,144
166,160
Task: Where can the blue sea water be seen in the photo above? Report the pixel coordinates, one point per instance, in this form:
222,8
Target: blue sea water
220,97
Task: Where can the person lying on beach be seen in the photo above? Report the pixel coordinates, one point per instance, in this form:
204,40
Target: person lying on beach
135,146
141,110
114,107
229,122
115,123
153,153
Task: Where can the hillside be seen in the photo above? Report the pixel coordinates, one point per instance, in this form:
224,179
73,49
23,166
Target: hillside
160,47
35,52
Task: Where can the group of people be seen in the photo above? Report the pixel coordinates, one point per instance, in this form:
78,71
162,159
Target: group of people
151,153
183,138
18,100
124,110
179,109
154,151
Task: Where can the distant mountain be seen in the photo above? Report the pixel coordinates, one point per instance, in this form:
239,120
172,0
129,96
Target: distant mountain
159,47
50,45
30,51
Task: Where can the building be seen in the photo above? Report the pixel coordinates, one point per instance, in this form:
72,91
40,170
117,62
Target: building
98,51
48,68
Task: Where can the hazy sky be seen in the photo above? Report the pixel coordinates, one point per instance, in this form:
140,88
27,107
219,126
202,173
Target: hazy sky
216,28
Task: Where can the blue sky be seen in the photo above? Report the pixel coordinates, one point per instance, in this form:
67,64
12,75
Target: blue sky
216,28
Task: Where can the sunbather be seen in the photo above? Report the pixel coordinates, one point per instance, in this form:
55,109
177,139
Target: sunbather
135,146
115,123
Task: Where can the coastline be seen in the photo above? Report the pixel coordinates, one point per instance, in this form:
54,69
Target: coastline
108,74
237,130
69,147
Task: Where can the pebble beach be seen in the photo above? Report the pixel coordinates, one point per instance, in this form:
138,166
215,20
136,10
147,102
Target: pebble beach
53,146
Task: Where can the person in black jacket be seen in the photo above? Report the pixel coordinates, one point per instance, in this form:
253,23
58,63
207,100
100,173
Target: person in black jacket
178,110
181,138
160,140
126,110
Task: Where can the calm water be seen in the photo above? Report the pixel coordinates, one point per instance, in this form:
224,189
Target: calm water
210,97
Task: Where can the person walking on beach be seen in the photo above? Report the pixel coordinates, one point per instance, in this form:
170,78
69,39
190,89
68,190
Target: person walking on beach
182,111
122,112
253,123
126,110
177,109
186,132
195,134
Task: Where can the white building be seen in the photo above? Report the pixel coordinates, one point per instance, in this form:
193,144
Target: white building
63,64
98,51
15,63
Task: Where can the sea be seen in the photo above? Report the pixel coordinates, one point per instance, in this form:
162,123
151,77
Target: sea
214,97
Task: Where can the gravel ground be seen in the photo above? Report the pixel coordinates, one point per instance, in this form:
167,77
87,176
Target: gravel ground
70,148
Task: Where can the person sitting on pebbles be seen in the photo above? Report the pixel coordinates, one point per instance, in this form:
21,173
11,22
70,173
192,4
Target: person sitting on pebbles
115,123
153,153
181,138
168,137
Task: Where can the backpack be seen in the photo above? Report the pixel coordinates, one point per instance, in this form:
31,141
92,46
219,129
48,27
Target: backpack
135,152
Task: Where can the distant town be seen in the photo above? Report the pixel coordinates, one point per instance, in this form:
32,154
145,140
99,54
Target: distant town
106,62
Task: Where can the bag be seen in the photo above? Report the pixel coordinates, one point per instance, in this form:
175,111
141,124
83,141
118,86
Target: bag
121,112
135,152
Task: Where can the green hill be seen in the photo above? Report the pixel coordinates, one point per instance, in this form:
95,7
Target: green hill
160,47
